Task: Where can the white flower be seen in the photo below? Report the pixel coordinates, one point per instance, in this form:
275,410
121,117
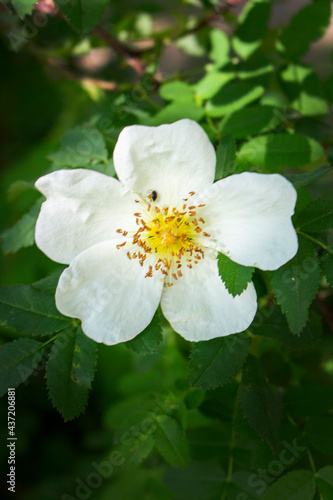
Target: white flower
153,236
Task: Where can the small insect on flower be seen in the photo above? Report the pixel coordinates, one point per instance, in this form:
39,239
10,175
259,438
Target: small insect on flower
127,252
153,196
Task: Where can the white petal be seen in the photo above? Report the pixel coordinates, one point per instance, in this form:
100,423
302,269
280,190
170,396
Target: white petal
83,208
199,307
170,159
249,218
109,293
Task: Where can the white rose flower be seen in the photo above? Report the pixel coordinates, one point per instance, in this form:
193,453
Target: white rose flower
153,236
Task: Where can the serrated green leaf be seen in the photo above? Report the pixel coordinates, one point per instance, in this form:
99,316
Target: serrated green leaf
271,323
306,400
30,311
49,284
22,234
299,180
324,480
259,402
232,97
280,150
171,441
317,216
70,371
200,481
310,23
81,146
178,110
215,362
18,359
252,25
296,283
83,15
251,121
234,276
296,485
176,91
147,342
23,7
225,157
304,90
319,432
220,47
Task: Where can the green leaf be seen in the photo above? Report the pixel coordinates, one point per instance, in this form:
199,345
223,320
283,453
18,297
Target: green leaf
234,276
148,341
225,157
215,362
296,283
22,234
299,180
18,359
272,324
81,147
200,481
83,15
30,311
319,433
191,45
178,110
296,485
304,90
259,402
306,400
220,47
211,83
176,91
23,7
171,441
317,216
324,481
232,97
252,25
251,121
280,150
70,371
310,23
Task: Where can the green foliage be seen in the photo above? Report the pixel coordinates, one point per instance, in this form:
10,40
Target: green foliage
81,147
296,485
309,23
234,276
324,480
18,359
252,25
70,371
307,400
148,341
252,120
23,7
22,234
225,157
82,14
317,216
171,441
280,151
200,481
259,402
296,283
318,432
232,97
299,180
215,362
30,311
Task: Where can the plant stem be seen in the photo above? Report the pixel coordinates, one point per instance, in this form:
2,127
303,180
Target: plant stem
314,240
231,446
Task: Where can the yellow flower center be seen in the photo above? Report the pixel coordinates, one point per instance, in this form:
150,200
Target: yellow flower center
172,238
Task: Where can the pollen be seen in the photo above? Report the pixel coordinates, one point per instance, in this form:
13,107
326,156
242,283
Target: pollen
169,238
